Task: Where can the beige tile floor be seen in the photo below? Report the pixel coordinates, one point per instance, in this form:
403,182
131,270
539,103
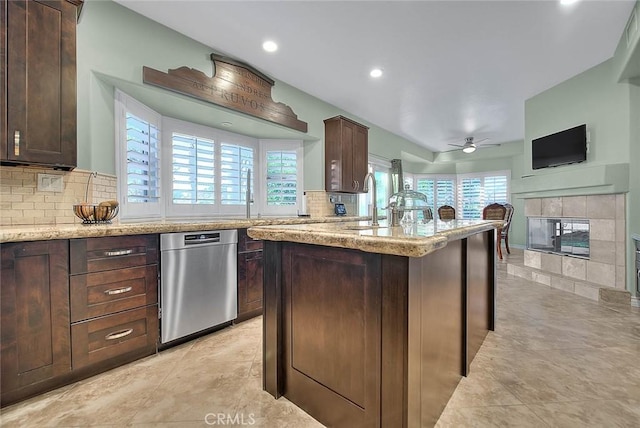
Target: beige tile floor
555,360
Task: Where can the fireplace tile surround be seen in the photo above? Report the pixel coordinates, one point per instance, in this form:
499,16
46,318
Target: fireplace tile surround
604,271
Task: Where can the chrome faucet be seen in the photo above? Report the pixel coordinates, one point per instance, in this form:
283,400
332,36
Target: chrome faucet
248,197
365,187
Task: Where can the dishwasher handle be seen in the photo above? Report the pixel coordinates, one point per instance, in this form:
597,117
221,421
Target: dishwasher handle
201,238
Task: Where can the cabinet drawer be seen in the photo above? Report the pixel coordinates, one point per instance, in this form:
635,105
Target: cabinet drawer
103,338
247,243
103,293
112,252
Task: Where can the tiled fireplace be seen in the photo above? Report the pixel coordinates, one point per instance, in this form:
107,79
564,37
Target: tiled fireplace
576,243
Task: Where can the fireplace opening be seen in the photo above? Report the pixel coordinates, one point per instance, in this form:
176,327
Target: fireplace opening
564,236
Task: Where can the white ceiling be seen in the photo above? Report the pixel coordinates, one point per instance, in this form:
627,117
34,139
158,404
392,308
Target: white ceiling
452,69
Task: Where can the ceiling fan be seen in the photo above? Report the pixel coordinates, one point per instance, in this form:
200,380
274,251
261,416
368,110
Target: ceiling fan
469,145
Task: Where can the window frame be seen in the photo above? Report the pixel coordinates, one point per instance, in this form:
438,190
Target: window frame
123,103
482,176
457,180
164,208
269,145
171,125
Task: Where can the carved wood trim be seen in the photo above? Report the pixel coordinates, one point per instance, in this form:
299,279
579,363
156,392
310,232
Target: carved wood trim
234,85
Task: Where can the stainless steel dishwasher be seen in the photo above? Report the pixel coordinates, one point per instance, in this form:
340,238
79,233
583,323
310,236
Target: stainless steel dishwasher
198,287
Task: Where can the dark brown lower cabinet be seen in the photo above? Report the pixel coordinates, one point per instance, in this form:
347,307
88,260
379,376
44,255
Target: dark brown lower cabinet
34,328
373,340
72,309
332,330
249,284
250,270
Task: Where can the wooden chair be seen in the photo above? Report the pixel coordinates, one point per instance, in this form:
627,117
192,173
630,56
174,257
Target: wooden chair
495,212
447,212
507,225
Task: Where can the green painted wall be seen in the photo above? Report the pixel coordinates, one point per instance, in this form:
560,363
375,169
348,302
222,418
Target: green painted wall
593,97
108,59
611,111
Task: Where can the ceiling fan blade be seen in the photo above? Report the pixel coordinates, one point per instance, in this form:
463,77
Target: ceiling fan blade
456,145
481,141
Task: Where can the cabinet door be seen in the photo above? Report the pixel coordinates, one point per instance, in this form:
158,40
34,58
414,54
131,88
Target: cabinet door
249,282
41,83
360,155
35,313
349,183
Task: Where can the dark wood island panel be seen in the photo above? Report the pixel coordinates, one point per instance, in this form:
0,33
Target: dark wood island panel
362,339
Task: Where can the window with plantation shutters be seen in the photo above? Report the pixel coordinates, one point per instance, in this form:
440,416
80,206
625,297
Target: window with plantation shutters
142,160
476,191
193,170
235,161
438,190
138,155
282,171
282,182
203,170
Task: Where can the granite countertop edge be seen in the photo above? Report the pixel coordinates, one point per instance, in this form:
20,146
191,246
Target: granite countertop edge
71,231
398,243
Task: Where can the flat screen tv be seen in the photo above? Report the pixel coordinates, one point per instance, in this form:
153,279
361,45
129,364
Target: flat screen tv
561,148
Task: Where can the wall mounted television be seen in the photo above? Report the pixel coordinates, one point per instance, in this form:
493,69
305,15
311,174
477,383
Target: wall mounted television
561,148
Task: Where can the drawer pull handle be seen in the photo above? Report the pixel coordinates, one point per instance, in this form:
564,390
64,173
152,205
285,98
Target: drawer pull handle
121,290
118,253
118,334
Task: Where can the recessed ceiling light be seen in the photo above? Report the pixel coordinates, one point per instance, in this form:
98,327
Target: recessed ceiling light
270,46
376,72
568,2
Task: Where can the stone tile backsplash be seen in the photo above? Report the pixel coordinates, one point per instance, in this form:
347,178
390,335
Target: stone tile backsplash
22,204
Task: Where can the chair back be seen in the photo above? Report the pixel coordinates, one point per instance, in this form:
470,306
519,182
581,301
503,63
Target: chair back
447,212
494,212
507,218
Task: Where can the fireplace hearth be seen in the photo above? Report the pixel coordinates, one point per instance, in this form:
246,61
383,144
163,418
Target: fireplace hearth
563,236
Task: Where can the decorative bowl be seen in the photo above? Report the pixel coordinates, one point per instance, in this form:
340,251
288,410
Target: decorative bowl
91,214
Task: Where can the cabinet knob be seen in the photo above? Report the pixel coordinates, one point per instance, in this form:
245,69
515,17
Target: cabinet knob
16,143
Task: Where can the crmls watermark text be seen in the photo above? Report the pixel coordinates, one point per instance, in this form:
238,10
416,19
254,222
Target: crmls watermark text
229,419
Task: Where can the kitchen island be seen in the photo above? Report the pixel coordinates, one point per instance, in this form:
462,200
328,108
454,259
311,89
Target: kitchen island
374,326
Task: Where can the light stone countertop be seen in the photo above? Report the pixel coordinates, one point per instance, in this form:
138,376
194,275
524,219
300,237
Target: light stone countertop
69,231
413,241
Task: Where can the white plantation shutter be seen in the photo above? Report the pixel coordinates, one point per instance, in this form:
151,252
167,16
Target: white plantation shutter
438,190
471,201
496,189
235,161
446,192
142,160
282,182
138,136
476,191
426,186
193,168
282,171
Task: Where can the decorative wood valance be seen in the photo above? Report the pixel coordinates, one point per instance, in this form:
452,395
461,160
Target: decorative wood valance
234,85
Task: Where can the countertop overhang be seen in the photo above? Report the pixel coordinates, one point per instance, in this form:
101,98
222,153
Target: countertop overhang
70,231
416,240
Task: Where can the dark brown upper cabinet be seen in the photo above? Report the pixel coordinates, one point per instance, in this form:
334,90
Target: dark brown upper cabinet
346,152
39,83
